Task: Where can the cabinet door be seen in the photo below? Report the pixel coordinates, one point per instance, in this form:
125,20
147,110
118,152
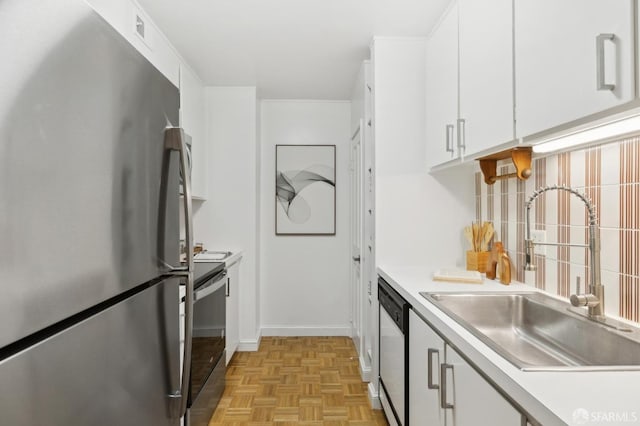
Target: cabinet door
472,397
486,73
233,314
426,352
442,89
557,60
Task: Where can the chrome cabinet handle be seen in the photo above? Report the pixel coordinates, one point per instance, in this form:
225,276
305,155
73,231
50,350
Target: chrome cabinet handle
462,137
174,140
449,143
443,380
356,258
600,72
430,353
228,287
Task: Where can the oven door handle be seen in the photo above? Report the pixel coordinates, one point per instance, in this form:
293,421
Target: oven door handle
210,288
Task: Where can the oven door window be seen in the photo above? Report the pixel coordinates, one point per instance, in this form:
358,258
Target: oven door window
209,317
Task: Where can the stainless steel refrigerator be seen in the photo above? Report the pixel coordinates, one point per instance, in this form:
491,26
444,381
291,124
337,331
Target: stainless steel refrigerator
89,222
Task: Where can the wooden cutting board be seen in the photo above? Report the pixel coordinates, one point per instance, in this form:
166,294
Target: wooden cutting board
458,276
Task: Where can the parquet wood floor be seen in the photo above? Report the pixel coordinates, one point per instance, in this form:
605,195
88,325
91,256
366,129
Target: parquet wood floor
296,381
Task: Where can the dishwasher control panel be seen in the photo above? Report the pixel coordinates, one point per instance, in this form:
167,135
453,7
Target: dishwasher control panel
394,304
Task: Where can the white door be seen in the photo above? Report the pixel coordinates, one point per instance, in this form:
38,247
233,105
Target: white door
557,58
357,293
442,90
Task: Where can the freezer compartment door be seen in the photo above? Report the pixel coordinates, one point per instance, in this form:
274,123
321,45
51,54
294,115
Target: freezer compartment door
115,368
89,196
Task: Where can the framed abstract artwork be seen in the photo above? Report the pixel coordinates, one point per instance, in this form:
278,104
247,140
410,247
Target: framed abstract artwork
305,190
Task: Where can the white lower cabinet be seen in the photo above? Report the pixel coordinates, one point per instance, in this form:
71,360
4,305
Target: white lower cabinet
426,352
445,390
472,397
232,337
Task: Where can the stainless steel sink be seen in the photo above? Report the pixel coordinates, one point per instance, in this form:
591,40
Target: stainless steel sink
536,332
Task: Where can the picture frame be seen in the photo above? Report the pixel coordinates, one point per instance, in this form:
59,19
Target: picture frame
305,194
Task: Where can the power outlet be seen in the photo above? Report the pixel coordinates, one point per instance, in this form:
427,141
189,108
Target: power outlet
539,236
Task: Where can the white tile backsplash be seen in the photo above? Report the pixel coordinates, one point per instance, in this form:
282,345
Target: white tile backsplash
577,211
610,250
552,170
577,169
551,276
609,209
610,160
610,281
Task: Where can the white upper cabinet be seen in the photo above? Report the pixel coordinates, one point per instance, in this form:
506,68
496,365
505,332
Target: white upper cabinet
192,112
560,45
442,89
486,73
470,80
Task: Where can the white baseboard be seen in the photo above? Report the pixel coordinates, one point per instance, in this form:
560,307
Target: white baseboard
374,398
306,331
250,345
365,372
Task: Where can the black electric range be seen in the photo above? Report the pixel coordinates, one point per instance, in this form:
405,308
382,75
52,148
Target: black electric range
208,357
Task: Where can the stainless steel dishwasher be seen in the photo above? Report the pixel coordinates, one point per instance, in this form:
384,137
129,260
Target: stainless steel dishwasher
394,354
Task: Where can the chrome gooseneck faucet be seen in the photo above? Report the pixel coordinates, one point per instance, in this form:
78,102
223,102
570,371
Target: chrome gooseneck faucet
594,301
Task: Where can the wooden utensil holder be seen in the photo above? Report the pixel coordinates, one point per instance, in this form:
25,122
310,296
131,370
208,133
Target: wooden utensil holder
477,260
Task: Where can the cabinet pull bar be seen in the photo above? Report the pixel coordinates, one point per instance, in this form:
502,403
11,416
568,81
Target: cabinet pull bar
443,380
600,72
449,146
430,353
462,142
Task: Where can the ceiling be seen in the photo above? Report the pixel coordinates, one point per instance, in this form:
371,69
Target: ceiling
289,49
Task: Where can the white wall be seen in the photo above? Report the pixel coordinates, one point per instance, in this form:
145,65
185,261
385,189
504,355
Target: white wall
419,216
228,219
304,279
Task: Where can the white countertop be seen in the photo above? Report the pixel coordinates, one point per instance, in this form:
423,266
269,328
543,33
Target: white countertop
233,259
228,261
550,397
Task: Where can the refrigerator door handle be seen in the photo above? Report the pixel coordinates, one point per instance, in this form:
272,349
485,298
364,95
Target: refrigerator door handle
174,140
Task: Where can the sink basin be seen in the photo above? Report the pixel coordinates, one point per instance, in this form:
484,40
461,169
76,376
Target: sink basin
536,332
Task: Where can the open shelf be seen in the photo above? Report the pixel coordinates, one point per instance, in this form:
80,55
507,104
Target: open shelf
521,157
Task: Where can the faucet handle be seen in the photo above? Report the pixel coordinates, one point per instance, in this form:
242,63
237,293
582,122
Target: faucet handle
583,299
